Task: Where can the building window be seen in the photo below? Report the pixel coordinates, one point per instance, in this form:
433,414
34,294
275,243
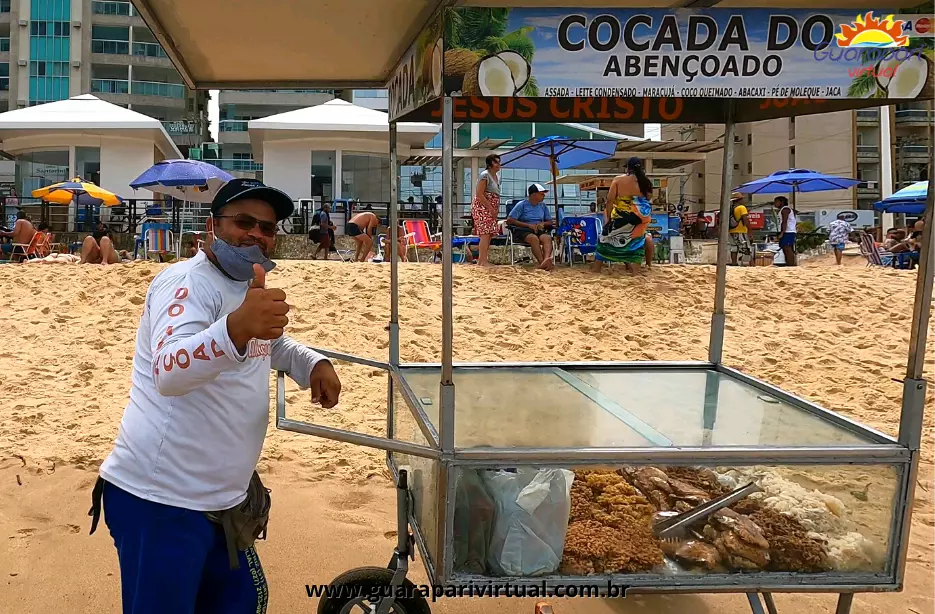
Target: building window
365,177
49,50
41,168
736,167
4,6
791,128
792,157
749,168
750,139
110,39
323,174
4,76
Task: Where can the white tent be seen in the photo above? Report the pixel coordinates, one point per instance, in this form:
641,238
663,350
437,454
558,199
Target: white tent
338,122
285,143
84,115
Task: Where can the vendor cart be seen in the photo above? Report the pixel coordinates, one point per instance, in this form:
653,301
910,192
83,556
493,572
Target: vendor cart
487,457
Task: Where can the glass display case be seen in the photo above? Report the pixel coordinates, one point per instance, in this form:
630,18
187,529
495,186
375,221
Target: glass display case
605,450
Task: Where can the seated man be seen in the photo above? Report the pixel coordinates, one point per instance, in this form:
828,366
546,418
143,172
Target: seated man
98,248
530,221
362,227
22,234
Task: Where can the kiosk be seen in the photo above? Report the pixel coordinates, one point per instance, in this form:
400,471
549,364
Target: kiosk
627,438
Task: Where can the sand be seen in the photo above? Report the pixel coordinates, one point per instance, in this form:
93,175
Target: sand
835,335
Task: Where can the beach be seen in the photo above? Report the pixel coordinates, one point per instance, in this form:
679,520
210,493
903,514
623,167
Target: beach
834,335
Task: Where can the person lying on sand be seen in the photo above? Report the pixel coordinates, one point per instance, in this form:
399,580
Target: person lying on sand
98,248
362,227
183,468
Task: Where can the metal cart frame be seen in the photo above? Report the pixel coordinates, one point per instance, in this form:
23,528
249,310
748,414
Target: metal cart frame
439,443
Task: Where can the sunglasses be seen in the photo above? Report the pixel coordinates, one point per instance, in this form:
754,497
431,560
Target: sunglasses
248,222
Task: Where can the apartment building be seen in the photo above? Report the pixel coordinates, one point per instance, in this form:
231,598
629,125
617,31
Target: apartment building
54,49
845,143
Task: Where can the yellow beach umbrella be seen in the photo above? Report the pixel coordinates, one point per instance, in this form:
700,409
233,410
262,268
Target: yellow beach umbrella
66,192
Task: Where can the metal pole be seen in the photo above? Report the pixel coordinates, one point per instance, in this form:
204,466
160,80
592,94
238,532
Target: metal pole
447,391
391,246
716,343
913,404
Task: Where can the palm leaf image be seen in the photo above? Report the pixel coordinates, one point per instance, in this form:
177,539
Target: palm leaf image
477,24
532,87
862,86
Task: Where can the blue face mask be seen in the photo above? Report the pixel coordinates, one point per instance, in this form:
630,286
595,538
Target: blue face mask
238,262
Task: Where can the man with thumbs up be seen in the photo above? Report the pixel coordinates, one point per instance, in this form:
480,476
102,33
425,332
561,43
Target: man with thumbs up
179,490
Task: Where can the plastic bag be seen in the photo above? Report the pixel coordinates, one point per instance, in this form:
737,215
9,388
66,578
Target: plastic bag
473,523
531,520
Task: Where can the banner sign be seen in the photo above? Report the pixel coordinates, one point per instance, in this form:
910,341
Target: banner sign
418,76
621,54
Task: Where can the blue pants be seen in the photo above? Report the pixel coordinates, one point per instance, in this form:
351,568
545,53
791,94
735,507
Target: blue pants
174,560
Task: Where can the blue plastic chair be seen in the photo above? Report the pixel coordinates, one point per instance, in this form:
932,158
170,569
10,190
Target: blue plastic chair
580,233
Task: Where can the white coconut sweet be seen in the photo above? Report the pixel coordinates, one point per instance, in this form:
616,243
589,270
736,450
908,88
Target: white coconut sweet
490,77
909,79
519,68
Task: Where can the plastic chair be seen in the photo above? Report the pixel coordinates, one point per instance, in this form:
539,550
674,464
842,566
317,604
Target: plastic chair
155,237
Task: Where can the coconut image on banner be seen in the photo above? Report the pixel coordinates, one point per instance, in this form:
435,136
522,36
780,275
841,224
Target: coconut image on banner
418,76
704,53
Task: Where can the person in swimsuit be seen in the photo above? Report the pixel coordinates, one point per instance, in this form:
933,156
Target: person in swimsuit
22,234
485,208
626,218
362,227
98,248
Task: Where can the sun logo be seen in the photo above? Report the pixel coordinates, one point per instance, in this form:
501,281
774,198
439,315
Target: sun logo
868,31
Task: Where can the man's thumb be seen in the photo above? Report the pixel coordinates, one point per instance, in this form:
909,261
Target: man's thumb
259,277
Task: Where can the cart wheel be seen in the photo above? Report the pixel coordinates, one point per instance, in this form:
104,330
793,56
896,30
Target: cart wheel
362,581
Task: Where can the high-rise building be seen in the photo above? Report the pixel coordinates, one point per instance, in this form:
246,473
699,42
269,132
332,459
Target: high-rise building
54,49
844,143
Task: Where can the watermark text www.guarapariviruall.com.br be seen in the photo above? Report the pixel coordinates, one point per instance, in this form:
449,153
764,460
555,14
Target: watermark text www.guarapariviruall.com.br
470,590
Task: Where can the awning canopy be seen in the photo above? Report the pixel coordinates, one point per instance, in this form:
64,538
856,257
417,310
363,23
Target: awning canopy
86,115
230,44
337,119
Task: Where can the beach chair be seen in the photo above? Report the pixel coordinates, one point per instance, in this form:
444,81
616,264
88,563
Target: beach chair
419,237
580,234
505,238
158,239
875,256
30,250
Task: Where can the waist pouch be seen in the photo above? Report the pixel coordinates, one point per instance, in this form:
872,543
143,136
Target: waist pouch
245,523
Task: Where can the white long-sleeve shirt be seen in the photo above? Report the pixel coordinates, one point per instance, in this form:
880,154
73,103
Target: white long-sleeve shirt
193,431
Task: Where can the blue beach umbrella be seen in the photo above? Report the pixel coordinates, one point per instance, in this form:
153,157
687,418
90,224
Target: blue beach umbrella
910,200
552,153
190,180
796,180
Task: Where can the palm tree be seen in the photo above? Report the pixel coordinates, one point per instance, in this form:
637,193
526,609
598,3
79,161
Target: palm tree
484,30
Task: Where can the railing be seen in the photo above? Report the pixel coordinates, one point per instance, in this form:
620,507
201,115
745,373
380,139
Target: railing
99,45
868,114
914,150
915,115
236,164
4,84
180,127
868,150
153,88
110,86
4,43
112,8
233,125
149,50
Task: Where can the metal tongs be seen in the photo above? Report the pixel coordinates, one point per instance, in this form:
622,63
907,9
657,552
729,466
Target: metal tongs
675,527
